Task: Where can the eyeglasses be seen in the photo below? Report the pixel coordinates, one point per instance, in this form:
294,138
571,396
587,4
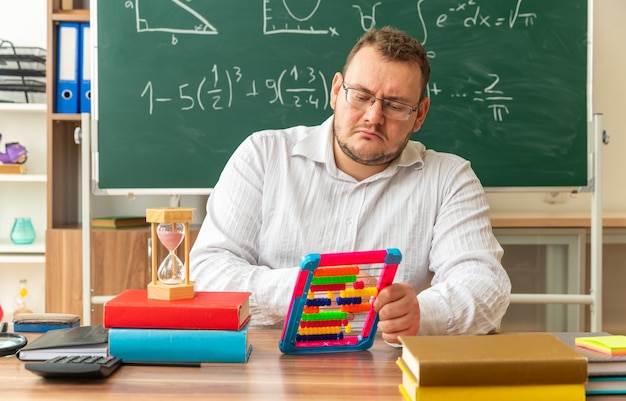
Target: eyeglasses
391,108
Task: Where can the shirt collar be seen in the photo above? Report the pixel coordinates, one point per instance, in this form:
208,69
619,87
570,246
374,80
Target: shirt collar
317,145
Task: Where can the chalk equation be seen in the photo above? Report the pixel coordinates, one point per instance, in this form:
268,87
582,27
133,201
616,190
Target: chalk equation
303,17
470,14
308,86
292,87
491,96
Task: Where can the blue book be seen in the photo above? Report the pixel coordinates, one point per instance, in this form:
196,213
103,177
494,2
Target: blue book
168,346
606,385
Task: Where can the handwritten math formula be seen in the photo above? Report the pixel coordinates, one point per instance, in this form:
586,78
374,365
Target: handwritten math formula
223,88
471,15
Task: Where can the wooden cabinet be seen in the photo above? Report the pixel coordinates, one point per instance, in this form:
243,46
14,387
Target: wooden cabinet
63,234
63,271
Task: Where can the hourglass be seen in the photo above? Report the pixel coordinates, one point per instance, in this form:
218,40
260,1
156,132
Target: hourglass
170,227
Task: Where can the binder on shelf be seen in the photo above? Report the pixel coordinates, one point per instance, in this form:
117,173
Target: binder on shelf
84,104
67,67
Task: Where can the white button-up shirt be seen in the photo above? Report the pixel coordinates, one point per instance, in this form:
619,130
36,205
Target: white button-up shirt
281,196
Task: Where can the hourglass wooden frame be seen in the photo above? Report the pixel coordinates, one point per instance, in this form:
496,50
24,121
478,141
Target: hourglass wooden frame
173,215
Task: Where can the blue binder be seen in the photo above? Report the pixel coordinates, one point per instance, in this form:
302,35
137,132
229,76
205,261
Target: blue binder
84,104
67,67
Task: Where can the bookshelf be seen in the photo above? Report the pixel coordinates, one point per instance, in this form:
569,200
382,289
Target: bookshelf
63,230
23,195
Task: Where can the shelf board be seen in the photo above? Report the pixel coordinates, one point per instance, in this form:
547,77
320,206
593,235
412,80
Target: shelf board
41,178
33,253
23,107
80,15
65,117
21,258
34,248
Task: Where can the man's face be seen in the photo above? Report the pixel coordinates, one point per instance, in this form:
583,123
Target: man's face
366,136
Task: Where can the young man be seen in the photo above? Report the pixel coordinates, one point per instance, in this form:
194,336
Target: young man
357,182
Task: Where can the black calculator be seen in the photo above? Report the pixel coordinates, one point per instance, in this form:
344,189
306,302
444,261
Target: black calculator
76,367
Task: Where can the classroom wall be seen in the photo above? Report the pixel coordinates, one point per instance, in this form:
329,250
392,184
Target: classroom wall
609,87
24,22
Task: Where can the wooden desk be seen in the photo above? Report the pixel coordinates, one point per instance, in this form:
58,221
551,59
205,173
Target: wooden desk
268,375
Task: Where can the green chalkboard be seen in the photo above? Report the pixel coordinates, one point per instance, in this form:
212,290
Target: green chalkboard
180,83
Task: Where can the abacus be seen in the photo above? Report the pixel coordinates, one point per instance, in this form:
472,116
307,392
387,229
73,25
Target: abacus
331,307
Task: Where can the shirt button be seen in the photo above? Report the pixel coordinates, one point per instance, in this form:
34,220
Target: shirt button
348,221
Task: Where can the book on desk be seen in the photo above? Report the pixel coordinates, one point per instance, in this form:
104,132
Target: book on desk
169,346
512,366
598,364
206,310
606,373
81,340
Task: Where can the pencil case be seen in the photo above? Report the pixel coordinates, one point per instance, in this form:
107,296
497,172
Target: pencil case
42,322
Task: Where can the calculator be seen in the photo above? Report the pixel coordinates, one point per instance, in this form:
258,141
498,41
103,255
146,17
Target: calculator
76,366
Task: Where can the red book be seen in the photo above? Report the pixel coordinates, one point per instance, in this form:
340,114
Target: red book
205,311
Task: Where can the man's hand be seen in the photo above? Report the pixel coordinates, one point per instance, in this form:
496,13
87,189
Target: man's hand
398,312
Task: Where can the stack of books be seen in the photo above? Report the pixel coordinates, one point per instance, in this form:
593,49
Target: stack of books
515,366
210,327
606,363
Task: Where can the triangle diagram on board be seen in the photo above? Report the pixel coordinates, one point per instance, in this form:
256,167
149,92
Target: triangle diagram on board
171,16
